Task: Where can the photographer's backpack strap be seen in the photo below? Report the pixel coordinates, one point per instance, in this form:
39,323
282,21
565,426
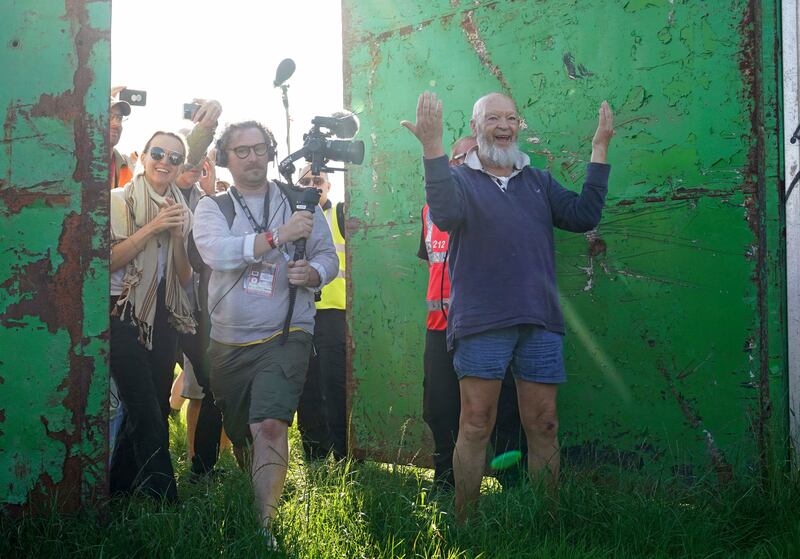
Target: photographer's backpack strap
225,204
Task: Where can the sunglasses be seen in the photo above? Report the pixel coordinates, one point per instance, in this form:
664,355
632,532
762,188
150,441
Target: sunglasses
173,157
308,181
243,151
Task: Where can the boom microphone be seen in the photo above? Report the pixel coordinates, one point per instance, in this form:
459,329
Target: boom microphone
284,71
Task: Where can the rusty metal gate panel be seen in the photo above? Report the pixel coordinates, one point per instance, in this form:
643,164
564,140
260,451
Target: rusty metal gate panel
55,58
675,349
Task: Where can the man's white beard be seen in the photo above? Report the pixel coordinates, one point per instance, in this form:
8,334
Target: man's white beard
497,156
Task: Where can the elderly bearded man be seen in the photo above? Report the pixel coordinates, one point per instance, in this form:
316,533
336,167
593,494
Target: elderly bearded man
504,307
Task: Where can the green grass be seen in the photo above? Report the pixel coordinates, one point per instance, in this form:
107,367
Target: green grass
370,510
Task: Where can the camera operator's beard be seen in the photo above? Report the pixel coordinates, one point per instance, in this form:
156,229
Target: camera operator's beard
497,156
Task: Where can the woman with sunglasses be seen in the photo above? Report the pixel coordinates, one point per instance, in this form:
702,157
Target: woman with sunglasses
150,224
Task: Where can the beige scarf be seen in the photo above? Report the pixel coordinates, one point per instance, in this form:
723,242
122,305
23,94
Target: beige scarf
136,206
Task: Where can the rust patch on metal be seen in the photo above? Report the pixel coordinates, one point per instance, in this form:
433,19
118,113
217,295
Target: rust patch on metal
680,194
597,246
754,190
16,200
479,46
52,296
721,466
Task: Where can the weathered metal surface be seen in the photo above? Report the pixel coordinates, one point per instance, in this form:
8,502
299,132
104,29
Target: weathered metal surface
53,265
790,10
676,323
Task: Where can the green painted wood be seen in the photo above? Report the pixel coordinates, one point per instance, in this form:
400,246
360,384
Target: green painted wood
53,265
676,343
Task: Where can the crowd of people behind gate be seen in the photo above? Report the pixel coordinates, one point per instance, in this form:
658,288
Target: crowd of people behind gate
205,275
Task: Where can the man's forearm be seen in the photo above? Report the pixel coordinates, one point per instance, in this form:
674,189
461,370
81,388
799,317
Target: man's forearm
440,193
599,154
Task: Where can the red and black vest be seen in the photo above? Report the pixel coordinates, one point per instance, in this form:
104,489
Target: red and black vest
438,296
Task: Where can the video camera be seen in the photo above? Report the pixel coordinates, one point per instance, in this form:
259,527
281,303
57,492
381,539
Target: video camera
318,147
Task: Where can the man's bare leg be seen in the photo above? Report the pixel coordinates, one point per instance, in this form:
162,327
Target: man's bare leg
538,412
478,412
270,462
176,400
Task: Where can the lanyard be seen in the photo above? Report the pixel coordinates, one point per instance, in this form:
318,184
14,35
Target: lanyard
256,227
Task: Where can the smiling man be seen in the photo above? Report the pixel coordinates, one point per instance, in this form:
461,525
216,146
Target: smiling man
248,240
504,307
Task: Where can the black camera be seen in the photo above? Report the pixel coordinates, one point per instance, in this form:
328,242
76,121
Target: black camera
318,147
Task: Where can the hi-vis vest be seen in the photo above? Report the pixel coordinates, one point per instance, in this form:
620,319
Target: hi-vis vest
122,171
438,296
333,294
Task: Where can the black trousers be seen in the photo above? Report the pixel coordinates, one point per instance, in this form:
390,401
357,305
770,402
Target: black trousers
209,420
141,459
322,413
441,408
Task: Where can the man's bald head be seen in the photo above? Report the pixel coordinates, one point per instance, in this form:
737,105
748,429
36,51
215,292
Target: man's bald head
479,108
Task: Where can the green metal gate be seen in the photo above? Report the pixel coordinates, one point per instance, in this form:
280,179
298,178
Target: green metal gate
676,323
675,304
53,265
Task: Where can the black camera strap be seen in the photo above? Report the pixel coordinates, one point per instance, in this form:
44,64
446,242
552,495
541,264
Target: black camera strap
258,228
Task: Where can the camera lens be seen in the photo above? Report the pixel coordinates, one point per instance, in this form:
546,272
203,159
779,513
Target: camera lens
348,151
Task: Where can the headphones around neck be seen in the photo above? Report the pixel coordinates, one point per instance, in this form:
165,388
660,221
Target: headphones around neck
221,159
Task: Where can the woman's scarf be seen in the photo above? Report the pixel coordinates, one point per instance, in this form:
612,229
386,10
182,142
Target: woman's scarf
138,206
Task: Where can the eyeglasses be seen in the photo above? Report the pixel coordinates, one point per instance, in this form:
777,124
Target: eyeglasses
115,117
173,157
243,151
308,181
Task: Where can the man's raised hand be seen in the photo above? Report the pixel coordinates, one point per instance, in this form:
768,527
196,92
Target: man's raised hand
603,134
428,128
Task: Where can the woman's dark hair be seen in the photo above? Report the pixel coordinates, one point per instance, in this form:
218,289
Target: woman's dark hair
178,137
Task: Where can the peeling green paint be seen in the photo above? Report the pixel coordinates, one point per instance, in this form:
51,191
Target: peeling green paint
673,304
54,264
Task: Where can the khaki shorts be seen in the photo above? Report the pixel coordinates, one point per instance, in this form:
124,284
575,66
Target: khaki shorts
191,388
257,382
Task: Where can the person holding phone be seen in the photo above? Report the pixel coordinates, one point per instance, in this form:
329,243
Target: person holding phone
150,224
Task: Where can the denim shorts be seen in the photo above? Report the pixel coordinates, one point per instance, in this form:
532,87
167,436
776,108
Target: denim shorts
535,354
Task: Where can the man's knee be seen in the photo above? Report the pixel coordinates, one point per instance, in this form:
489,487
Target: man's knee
269,430
543,425
476,424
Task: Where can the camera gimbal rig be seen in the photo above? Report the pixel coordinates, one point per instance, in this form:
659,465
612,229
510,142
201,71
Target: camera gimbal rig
318,149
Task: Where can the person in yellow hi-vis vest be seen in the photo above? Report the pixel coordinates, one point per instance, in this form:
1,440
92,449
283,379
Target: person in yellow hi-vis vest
322,413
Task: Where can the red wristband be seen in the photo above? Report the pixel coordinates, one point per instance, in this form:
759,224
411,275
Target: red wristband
270,240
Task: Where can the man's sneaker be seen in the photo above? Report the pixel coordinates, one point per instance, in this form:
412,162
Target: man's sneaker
270,543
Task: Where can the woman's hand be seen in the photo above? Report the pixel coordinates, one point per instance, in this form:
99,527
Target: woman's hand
171,217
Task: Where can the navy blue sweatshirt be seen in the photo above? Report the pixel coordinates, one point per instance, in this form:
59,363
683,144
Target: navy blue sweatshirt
502,256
